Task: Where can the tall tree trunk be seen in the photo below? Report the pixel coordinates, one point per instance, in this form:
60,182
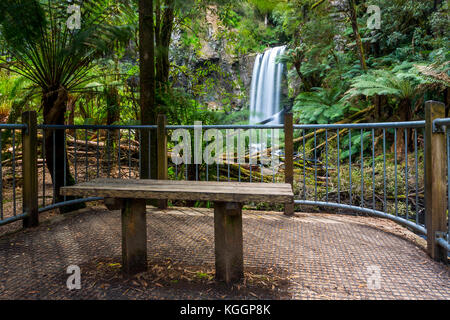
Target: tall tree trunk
380,103
163,36
112,117
54,104
112,105
356,34
147,89
71,104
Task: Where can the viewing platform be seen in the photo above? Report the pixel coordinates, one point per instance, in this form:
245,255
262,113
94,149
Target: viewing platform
307,256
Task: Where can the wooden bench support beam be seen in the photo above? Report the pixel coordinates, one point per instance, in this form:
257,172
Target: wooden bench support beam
289,209
228,241
134,236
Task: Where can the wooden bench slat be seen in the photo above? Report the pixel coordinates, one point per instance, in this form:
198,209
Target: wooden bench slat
193,186
181,195
183,190
185,182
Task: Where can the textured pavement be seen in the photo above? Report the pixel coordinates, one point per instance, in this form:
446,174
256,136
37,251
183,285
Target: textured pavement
321,256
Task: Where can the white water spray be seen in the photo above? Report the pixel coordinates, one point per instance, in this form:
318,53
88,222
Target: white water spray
265,92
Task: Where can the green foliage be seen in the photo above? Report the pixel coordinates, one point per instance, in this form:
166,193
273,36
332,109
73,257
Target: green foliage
10,87
314,52
181,108
45,51
404,22
253,25
353,148
399,83
407,57
15,95
265,6
319,106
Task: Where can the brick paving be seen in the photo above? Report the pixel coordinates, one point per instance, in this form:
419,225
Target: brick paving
321,256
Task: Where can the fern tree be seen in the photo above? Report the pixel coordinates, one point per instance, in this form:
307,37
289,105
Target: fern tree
56,59
320,106
403,86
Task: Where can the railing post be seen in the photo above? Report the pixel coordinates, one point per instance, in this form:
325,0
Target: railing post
29,169
435,179
162,153
289,157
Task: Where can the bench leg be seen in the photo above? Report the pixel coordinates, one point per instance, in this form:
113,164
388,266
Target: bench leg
289,209
134,236
228,241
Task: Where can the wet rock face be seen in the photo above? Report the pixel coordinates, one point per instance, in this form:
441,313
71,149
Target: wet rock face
223,77
246,63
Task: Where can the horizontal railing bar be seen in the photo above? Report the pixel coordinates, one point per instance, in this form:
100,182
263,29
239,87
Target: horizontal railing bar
152,127
442,122
408,124
380,125
67,203
93,127
12,126
443,243
218,126
420,229
13,219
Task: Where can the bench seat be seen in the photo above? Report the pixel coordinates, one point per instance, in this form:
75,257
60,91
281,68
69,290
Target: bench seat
130,196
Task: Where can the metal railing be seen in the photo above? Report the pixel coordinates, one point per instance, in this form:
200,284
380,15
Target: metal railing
10,170
370,168
357,176
243,138
95,151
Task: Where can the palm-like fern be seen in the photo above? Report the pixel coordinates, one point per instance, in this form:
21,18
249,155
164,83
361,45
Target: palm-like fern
46,51
320,106
437,76
56,59
401,84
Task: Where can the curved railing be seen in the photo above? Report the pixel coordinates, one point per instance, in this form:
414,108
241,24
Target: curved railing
365,148
370,168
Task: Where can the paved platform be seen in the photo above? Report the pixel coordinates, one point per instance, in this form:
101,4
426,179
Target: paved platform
308,256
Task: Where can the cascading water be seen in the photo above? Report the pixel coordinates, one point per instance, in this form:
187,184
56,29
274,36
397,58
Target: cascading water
265,92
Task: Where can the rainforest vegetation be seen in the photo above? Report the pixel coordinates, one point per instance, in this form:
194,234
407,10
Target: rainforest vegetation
130,60
337,63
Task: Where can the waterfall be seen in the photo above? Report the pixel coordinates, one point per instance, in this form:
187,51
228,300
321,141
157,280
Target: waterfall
265,92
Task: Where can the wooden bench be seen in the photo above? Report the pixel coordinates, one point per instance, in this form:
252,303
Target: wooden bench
130,196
